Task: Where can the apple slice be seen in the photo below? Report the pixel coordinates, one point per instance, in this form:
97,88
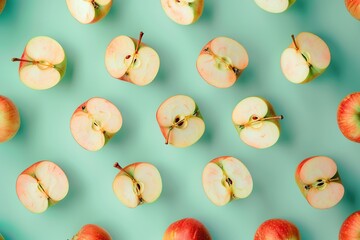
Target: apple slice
180,121
92,232
307,57
89,11
348,116
277,229
2,6
275,6
350,229
136,184
131,60
353,6
256,122
9,119
319,181
43,63
225,179
41,185
94,123
222,61
183,12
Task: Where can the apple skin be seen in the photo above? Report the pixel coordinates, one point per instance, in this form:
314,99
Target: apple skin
291,2
277,229
92,232
348,117
350,229
2,6
9,119
187,229
353,6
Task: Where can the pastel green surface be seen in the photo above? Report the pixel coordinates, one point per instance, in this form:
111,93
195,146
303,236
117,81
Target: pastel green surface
309,127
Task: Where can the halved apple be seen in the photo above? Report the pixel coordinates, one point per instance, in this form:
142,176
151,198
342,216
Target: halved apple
319,181
222,61
131,60
350,229
348,117
9,119
89,11
136,184
225,179
43,63
41,185
180,121
183,12
2,5
94,123
256,122
307,57
275,6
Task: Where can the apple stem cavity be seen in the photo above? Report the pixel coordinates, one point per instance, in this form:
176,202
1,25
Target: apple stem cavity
117,165
38,63
256,119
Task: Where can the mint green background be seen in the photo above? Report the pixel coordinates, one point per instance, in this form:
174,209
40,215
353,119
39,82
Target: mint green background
309,127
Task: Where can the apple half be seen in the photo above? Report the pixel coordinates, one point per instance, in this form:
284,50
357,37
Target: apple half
221,62
275,6
89,11
131,60
348,116
43,63
226,179
41,185
350,229
353,6
136,184
319,181
187,229
180,121
2,6
277,229
183,12
305,59
95,122
92,232
256,123
9,119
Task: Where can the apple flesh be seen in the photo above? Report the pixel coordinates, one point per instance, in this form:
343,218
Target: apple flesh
89,11
306,58
348,117
92,232
136,184
41,185
319,181
225,179
9,119
277,229
131,60
94,123
256,122
350,229
43,63
183,12
180,121
275,6
2,6
221,62
187,228
353,6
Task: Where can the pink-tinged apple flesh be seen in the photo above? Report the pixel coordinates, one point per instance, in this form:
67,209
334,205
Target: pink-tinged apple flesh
137,184
89,11
41,185
94,123
256,122
9,119
319,181
277,229
187,229
353,6
180,121
348,117
92,232
43,63
225,179
183,12
131,60
275,6
306,58
350,229
2,6
222,61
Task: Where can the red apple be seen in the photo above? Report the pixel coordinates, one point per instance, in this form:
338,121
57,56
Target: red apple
9,119
353,6
350,229
92,232
187,229
277,229
348,116
2,6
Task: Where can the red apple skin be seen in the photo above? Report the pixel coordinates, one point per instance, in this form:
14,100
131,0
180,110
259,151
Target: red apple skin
353,6
277,229
350,229
92,232
348,117
9,119
187,229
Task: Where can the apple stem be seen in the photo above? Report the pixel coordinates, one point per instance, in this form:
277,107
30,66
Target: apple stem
168,135
117,165
31,61
255,119
139,42
293,38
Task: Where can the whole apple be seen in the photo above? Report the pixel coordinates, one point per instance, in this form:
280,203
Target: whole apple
92,232
187,229
2,5
9,119
348,117
277,229
353,6
350,229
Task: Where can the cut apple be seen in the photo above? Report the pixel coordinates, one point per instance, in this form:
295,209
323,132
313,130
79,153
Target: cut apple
180,121
89,11
137,184
183,12
131,60
275,6
41,185
225,179
94,123
9,119
319,182
348,117
222,61
350,229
